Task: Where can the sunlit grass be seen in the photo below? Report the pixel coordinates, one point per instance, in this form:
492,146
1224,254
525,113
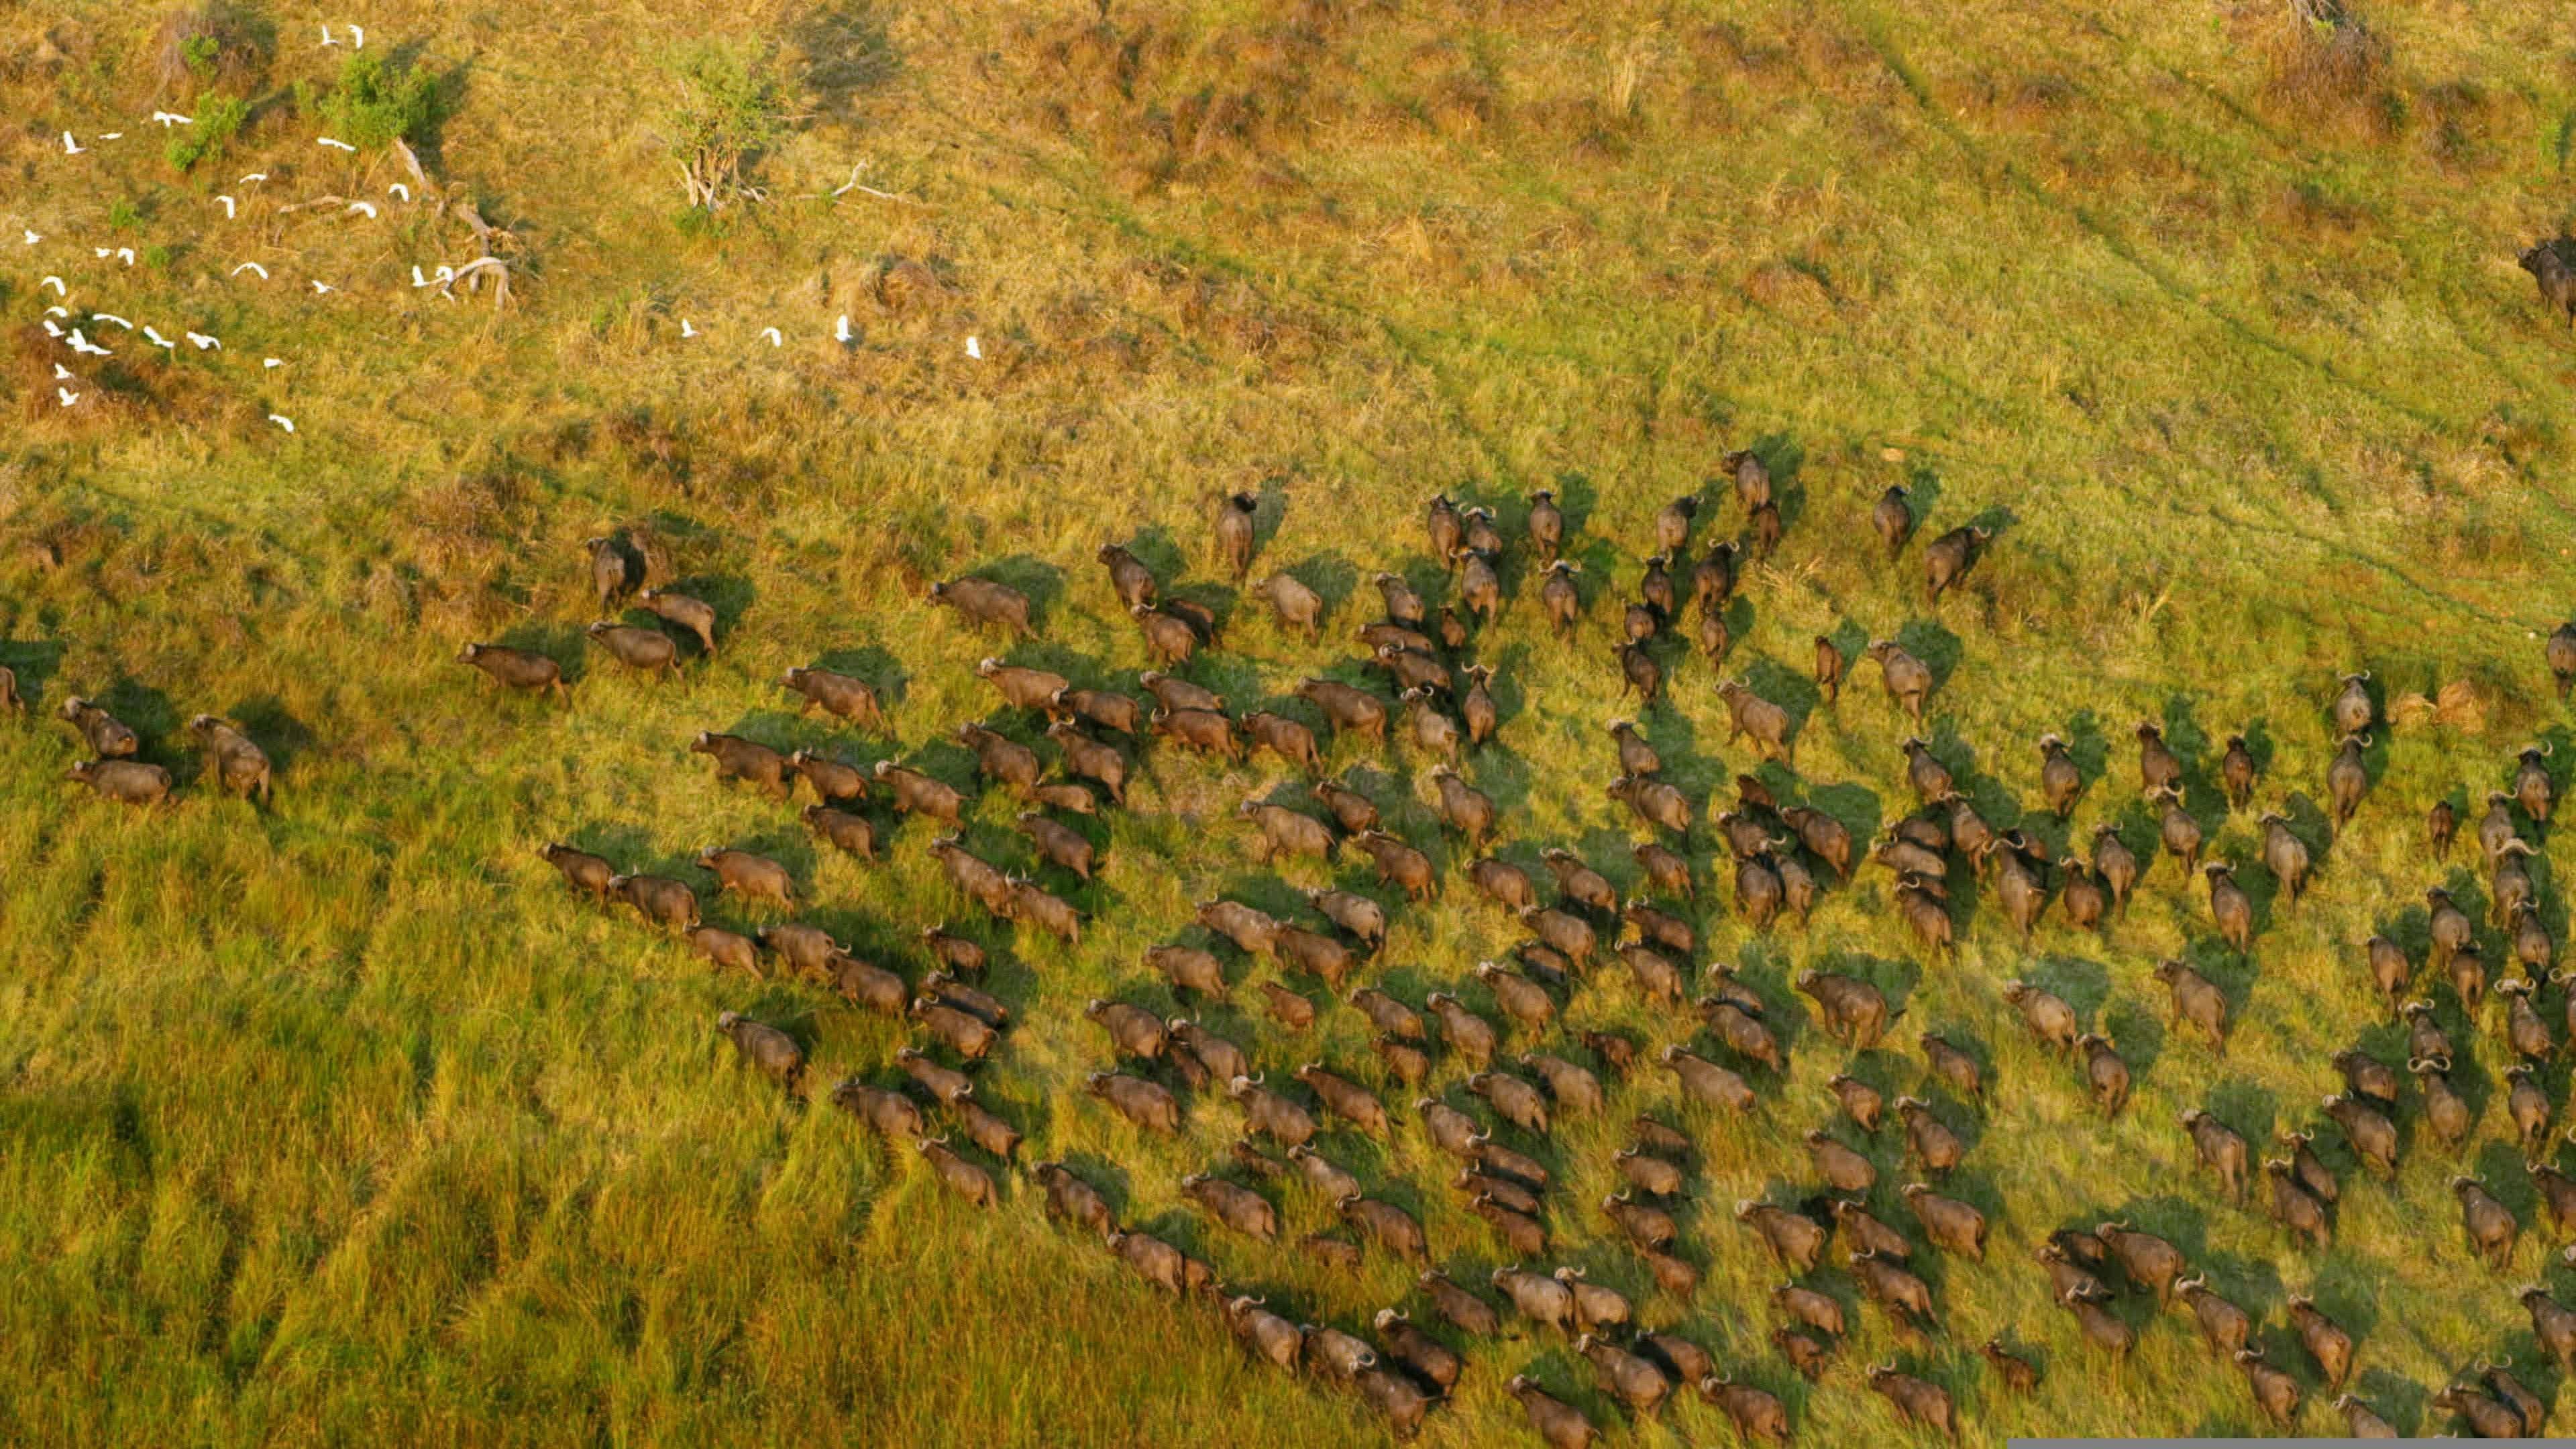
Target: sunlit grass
346,1113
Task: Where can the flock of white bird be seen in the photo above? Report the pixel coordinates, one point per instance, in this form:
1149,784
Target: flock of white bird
65,325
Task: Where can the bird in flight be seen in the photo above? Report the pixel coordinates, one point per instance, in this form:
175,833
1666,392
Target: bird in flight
687,329
84,346
72,147
282,421
398,189
54,282
62,373
772,334
67,395
252,267
31,237
269,362
228,206
335,145
111,317
357,37
51,329
202,341
326,36
841,333
252,177
974,349
368,207
156,339
321,287
172,118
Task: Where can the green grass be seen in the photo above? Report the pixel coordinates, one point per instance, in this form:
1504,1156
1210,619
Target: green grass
344,1116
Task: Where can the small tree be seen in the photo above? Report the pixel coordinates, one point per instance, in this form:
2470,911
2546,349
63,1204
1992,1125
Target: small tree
373,104
727,114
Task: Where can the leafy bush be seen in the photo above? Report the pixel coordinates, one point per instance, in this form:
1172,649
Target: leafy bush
372,104
217,122
727,115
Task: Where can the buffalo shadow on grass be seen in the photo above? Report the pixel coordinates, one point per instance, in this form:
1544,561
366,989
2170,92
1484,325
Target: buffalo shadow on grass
1042,582
2249,1109
565,644
1939,649
1786,458
872,665
278,733
2136,1032
35,661
730,595
2395,1397
1797,693
2085,986
2089,747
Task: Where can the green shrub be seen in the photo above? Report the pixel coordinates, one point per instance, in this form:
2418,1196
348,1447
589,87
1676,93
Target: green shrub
727,115
218,121
373,104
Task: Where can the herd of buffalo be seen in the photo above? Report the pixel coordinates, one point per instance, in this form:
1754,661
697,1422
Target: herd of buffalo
1472,1080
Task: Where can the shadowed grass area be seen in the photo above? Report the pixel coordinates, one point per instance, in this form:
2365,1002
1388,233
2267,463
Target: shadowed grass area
346,1112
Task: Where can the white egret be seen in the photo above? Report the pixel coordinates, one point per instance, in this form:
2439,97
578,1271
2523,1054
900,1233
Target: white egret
125,255
52,328
31,237
358,37
228,206
398,189
256,176
54,282
202,341
72,147
67,395
974,349
111,317
417,279
156,339
59,310
111,135
335,145
63,374
841,333
83,346
326,36
321,287
172,118
252,267
282,421
687,329
368,207
269,362
772,334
